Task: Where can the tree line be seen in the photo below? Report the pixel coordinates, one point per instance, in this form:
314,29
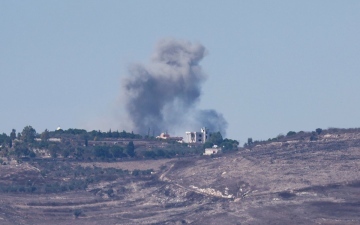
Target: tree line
227,145
74,143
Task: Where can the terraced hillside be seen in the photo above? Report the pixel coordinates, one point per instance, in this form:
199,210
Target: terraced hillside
285,181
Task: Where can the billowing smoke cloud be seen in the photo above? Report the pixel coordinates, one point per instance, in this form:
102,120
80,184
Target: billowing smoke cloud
163,95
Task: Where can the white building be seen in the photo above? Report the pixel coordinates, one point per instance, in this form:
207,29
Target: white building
168,137
211,151
198,137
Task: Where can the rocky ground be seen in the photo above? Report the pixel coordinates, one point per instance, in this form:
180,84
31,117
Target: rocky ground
281,182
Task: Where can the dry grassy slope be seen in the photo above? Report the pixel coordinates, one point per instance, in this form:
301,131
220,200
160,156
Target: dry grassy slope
288,182
312,180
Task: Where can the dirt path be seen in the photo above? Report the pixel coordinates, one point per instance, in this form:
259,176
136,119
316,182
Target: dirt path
163,176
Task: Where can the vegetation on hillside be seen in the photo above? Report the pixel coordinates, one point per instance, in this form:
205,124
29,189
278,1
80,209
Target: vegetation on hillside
301,135
226,145
60,176
80,144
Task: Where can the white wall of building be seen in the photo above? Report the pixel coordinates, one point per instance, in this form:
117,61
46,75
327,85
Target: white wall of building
198,137
210,151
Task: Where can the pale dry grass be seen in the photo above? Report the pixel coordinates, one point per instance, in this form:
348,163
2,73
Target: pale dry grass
128,165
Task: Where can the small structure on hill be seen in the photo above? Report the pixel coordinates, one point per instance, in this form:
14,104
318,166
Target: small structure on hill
163,136
210,151
166,136
55,139
50,139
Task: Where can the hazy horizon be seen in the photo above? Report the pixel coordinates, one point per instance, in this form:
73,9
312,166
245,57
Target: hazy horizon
270,67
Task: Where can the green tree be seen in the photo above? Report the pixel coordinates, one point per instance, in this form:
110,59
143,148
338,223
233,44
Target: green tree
160,153
77,213
3,138
85,136
109,134
116,134
32,154
290,133
313,136
54,150
216,138
21,149
117,151
45,135
28,134
250,141
208,145
318,130
130,149
79,152
230,145
13,134
150,154
102,151
65,152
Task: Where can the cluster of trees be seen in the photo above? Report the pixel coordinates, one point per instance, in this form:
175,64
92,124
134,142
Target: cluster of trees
27,135
312,136
79,178
115,151
175,150
4,139
18,145
227,145
75,144
93,135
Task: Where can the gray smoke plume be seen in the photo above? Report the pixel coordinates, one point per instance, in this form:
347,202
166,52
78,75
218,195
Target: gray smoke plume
163,95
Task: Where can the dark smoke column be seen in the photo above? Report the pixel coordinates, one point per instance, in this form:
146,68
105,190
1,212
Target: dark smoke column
163,95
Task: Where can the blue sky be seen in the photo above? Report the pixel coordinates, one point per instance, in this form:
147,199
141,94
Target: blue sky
272,66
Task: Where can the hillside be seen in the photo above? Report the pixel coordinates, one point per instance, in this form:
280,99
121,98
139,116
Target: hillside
305,178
